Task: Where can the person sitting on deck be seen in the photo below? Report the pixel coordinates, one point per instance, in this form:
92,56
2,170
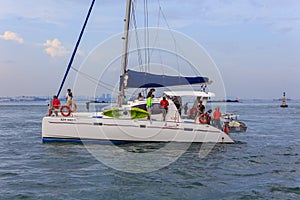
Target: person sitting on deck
205,118
192,113
140,97
54,106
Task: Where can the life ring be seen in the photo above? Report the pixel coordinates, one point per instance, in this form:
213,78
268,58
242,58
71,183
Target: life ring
203,119
65,114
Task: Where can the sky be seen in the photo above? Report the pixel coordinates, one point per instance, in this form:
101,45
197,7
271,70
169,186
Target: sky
254,43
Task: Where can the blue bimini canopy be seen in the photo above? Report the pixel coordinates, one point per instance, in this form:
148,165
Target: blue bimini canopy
147,80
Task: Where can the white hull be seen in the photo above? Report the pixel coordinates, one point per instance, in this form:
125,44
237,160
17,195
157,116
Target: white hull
84,127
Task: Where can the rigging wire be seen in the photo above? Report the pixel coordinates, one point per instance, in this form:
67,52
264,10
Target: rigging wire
137,40
140,59
146,35
96,81
144,54
173,37
156,39
145,44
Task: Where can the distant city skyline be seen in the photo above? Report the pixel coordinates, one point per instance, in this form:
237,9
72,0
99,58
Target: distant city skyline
254,43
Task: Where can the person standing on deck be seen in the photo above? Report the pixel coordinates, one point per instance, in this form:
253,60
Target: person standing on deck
164,103
149,105
201,108
217,116
69,99
185,108
150,92
178,103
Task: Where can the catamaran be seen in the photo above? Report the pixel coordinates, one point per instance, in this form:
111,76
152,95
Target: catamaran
129,121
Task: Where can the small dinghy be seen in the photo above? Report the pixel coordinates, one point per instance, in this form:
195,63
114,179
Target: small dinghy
234,126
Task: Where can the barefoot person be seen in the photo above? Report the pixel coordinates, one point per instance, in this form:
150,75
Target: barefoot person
69,99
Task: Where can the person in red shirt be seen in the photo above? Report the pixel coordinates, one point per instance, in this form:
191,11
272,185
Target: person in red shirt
54,106
164,103
217,115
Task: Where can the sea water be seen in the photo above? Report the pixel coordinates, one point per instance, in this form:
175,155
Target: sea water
264,163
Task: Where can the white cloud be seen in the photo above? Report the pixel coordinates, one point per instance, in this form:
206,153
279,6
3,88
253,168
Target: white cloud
8,35
55,48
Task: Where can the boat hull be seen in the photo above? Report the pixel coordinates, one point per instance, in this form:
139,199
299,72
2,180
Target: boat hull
102,129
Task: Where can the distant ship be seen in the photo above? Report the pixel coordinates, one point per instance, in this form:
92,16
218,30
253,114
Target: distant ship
283,102
226,100
232,100
22,99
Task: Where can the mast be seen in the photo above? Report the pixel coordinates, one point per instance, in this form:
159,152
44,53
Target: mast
125,53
